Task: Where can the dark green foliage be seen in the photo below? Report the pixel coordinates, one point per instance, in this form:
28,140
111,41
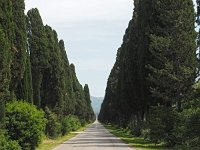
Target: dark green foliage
39,54
25,124
34,67
6,144
191,127
90,112
68,95
80,102
53,126
19,51
4,75
172,46
52,83
155,66
162,123
6,34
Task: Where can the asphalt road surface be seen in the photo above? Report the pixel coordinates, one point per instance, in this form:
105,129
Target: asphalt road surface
96,137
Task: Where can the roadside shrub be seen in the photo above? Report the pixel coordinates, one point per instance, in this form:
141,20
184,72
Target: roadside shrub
75,122
192,127
6,144
25,124
145,133
65,126
162,124
70,123
53,126
135,128
83,122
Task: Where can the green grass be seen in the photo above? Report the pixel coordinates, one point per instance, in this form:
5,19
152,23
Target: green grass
49,144
137,142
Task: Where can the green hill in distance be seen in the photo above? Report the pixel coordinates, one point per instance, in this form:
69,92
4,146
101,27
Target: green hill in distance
96,103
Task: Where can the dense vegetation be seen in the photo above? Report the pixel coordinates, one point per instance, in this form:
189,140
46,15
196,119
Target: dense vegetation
35,69
152,87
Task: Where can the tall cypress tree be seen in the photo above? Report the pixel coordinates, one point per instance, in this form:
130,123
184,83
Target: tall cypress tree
69,99
90,112
4,74
156,63
78,92
53,82
39,54
173,51
6,35
20,54
198,38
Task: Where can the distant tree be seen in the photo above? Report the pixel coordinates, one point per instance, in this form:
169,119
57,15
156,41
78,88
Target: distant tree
69,99
90,112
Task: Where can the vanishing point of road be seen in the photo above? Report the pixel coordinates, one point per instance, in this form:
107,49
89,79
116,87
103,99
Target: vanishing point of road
95,137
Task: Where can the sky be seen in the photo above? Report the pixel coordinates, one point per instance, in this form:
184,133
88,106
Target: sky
92,30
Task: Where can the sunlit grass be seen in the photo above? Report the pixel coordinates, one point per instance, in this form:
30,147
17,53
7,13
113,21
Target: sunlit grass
138,143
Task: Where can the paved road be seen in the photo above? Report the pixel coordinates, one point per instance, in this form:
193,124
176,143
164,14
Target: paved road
96,137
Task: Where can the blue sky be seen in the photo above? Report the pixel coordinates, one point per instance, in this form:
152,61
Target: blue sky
92,31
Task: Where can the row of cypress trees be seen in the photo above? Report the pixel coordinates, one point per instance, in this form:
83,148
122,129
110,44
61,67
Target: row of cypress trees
34,65
156,65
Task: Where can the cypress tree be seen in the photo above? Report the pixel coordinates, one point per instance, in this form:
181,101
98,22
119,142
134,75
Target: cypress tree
80,105
198,37
18,86
90,112
173,51
39,54
69,99
156,64
4,74
53,83
6,35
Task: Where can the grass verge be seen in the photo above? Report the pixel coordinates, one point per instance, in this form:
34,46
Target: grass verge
138,143
49,144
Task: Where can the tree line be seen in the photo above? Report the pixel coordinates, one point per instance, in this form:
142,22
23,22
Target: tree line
154,82
34,66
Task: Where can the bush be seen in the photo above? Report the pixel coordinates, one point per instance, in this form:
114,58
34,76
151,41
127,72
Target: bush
135,128
192,128
162,124
65,126
53,126
70,123
25,124
75,122
6,144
